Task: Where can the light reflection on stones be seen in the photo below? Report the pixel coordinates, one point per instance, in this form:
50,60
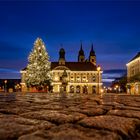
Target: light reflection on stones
69,116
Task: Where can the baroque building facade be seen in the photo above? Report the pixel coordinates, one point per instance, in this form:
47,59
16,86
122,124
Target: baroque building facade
133,75
83,76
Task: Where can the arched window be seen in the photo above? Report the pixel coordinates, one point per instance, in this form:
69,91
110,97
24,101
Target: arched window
71,89
77,89
94,78
93,89
85,89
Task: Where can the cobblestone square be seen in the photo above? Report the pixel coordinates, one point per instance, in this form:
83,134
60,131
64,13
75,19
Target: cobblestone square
46,116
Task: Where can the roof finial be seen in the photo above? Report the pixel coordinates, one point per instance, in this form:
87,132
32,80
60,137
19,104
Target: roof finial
92,47
81,45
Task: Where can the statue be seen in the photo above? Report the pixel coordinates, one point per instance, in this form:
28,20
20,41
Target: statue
64,81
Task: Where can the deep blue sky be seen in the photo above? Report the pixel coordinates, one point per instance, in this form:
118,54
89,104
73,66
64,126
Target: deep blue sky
113,27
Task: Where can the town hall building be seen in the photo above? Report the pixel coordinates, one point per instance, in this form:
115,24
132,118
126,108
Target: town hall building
83,76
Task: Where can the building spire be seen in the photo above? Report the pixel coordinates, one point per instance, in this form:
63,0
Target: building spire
92,52
62,56
81,55
81,47
92,47
81,52
92,56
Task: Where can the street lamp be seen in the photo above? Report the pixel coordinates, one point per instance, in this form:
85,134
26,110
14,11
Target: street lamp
105,89
117,88
98,69
5,82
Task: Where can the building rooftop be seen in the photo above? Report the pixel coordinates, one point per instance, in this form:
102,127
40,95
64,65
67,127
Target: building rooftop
73,66
76,66
138,55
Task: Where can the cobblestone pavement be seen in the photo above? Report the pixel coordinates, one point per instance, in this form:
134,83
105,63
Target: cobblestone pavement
40,116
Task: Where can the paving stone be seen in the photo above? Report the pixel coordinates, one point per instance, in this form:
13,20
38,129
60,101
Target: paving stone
9,129
113,123
93,111
39,116
125,113
72,132
57,117
12,126
120,107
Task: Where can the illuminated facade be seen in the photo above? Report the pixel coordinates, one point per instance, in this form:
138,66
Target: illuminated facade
133,75
74,77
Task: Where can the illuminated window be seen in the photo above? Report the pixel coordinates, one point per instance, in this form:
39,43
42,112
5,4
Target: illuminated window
94,78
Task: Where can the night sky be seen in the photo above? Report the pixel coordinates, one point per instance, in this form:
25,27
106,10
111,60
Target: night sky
112,27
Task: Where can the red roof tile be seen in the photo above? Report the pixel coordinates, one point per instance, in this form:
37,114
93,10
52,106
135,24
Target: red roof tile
76,66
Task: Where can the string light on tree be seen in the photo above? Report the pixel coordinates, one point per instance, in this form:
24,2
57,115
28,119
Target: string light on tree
38,68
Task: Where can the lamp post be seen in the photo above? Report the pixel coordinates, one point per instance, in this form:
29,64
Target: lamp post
117,88
5,82
98,69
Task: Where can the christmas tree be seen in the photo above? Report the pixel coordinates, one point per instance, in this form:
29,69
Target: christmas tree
38,69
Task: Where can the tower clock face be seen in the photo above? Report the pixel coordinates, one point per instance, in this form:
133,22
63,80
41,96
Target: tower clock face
94,78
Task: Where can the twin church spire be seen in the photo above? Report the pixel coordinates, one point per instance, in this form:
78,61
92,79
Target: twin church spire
92,56
81,56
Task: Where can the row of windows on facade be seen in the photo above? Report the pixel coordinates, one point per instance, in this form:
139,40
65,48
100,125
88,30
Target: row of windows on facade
134,71
79,79
78,75
92,77
74,73
134,68
83,88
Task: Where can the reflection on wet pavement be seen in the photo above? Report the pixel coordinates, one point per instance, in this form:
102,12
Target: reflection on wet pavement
41,116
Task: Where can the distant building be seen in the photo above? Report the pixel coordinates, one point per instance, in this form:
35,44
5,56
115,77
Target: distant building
80,77
10,85
133,75
119,84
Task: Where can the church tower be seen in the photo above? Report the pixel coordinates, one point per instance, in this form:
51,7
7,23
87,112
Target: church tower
92,56
62,57
81,55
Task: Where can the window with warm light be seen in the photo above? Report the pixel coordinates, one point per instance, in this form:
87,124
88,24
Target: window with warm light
94,78
56,78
